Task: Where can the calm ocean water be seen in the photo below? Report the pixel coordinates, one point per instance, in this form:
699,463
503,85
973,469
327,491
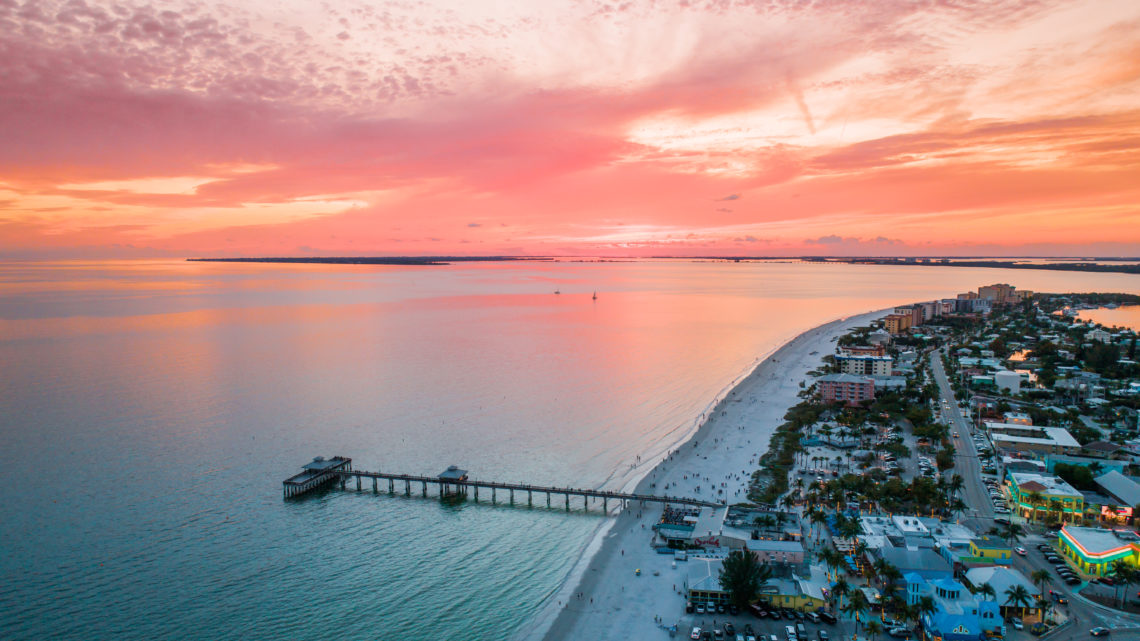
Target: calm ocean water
150,409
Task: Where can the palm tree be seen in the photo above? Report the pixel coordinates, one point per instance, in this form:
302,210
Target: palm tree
818,517
890,578
840,590
856,606
1109,508
987,591
874,628
742,576
1125,576
1035,499
1011,532
925,606
1017,596
1041,578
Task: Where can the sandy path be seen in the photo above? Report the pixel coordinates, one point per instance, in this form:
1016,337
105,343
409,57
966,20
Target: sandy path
603,598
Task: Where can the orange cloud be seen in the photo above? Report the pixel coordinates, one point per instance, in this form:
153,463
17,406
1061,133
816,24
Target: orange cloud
177,129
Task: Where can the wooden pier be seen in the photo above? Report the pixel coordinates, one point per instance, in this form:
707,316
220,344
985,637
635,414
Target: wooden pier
454,482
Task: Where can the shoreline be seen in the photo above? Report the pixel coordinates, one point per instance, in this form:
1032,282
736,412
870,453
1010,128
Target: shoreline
556,621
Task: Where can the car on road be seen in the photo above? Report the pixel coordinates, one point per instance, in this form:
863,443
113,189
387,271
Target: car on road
695,634
1020,550
1099,632
955,435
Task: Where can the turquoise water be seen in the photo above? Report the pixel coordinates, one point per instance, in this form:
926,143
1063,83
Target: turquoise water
151,410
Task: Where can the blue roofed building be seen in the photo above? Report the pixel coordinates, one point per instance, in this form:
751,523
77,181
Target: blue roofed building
958,614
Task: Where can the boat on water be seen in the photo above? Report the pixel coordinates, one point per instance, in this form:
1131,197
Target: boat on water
595,295
557,291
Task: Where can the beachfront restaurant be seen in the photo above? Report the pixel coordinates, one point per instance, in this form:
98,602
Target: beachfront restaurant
702,581
1095,550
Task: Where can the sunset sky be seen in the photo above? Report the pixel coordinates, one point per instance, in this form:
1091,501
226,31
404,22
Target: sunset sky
587,128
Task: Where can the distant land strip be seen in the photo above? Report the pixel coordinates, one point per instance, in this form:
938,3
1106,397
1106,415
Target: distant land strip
1119,268
997,264
369,260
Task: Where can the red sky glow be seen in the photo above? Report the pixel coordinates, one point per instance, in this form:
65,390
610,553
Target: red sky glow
569,128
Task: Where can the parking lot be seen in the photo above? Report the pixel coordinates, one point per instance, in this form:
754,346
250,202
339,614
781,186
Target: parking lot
774,626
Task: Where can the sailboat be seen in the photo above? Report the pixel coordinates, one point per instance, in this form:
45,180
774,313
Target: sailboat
595,295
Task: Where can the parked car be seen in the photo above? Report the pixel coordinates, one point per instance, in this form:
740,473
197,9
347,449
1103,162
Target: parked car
1073,581
729,628
1037,629
733,610
823,635
1017,624
700,608
827,616
695,634
899,633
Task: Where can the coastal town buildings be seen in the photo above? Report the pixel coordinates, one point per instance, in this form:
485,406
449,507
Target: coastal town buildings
865,365
1018,437
1040,498
897,323
846,388
1002,579
1095,550
958,614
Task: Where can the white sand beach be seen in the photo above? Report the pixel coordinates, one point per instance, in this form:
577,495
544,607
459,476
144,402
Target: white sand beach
602,597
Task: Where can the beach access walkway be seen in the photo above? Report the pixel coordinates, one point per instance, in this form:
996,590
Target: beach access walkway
455,482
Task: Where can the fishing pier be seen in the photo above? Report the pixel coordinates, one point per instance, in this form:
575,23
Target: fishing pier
454,482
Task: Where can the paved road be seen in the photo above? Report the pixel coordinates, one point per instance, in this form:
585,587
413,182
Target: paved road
975,495
1086,615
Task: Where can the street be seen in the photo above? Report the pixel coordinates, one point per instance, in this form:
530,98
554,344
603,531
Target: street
966,464
1085,614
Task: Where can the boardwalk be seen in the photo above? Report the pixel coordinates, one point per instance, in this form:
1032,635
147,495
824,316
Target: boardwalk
455,482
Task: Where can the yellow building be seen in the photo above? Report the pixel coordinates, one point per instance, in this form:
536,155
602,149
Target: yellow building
991,548
897,323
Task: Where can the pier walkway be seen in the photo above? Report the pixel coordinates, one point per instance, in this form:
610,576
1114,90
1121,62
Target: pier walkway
454,482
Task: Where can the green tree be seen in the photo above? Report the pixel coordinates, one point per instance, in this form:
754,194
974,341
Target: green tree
742,576
1017,596
874,628
840,590
856,606
1041,578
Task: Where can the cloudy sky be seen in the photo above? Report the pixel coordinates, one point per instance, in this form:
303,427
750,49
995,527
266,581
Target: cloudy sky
782,127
